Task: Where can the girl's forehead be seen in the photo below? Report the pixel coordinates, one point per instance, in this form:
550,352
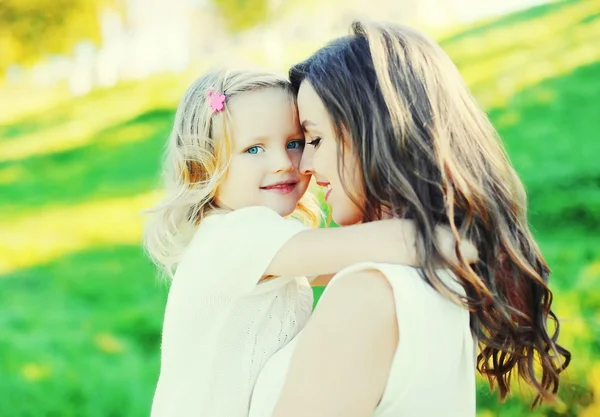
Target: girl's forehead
266,114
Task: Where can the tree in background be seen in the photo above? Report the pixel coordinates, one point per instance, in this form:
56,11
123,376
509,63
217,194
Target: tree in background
32,29
239,15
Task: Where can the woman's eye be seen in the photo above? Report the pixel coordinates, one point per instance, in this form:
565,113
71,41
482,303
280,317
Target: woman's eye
296,144
253,150
315,142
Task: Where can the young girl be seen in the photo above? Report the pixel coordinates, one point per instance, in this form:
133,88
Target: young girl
228,226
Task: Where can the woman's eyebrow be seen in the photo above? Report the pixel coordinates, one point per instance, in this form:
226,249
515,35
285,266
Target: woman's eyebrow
306,124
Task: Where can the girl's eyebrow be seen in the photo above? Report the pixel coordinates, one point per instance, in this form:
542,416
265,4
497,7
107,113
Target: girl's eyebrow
257,140
248,142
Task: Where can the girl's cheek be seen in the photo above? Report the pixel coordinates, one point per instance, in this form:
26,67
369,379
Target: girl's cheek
295,157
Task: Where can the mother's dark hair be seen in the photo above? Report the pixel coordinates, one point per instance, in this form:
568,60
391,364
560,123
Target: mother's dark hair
428,152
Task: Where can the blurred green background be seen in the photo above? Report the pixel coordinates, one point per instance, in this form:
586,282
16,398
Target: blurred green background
80,305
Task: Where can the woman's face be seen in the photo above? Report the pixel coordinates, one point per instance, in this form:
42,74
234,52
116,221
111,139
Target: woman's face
320,158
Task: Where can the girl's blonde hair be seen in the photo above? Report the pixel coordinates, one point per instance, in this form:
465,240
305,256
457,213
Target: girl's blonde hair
196,160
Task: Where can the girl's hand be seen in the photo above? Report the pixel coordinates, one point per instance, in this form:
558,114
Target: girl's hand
447,241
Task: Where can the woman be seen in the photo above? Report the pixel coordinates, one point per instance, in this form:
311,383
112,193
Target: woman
392,131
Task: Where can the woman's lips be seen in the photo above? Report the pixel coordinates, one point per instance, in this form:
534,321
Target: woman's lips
326,185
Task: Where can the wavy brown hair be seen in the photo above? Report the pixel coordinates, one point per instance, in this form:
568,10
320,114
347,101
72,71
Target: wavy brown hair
428,152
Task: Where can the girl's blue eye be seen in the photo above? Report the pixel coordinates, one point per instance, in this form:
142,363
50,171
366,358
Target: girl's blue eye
295,144
253,150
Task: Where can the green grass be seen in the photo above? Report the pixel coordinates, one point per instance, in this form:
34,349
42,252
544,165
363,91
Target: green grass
552,147
119,160
81,335
81,330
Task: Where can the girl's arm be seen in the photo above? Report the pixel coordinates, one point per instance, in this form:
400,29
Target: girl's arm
326,251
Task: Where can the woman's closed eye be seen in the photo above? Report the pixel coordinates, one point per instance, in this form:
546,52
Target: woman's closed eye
315,142
253,150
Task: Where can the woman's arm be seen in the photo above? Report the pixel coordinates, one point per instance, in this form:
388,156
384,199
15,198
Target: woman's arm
325,378
326,251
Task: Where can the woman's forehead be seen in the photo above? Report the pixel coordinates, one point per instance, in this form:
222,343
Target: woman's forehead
312,112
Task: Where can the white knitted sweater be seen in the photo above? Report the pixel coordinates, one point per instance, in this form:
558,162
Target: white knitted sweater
220,327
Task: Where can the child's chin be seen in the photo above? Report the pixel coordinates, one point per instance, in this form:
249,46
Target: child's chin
284,210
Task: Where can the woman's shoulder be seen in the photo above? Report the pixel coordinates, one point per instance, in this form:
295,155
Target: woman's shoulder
397,293
398,278
398,298
365,298
373,276
369,285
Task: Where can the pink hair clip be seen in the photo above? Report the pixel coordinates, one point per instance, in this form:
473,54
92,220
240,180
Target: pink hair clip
216,101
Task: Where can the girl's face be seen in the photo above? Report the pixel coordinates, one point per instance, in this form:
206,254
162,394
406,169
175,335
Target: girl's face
267,148
320,158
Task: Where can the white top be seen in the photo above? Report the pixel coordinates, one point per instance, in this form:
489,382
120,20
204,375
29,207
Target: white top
433,370
220,327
